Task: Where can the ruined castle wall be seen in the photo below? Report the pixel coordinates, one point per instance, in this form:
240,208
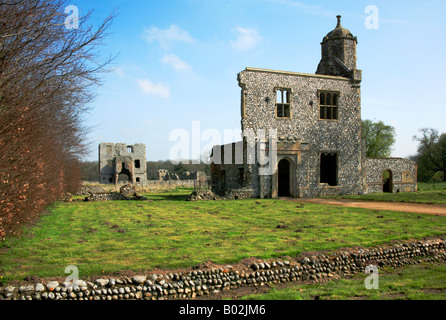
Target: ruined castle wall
106,161
403,173
233,175
113,156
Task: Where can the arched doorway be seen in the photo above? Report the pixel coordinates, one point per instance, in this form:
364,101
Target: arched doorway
387,181
284,169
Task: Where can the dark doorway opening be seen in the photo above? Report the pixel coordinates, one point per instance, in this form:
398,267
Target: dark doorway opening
124,175
387,181
329,169
284,178
241,176
220,187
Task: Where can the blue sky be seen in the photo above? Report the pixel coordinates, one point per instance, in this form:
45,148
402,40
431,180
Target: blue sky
178,62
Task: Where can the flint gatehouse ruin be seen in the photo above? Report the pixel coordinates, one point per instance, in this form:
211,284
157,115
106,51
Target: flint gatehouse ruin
122,163
317,118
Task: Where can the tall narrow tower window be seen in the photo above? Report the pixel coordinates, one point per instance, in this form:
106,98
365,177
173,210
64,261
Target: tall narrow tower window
283,109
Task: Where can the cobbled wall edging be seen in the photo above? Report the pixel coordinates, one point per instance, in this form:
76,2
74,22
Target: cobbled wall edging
318,267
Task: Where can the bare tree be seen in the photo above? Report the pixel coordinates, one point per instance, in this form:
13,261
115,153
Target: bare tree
48,74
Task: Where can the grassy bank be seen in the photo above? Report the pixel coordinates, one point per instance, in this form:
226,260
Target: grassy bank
108,237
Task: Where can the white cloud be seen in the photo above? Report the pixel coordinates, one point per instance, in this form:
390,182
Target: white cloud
176,63
247,39
167,37
158,89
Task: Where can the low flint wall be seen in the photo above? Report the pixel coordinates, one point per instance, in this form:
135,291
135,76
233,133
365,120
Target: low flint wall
319,267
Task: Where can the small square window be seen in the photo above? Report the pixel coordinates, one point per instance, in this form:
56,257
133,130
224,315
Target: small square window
137,164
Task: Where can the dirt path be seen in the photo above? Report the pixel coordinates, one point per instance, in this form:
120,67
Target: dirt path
392,206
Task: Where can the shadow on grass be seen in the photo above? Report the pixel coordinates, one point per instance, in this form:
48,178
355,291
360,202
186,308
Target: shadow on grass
167,197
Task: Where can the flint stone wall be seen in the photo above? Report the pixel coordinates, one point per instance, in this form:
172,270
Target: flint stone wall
313,268
404,174
113,197
231,195
170,183
342,136
304,131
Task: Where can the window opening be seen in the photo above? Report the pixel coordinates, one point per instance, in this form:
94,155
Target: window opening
329,105
283,109
329,169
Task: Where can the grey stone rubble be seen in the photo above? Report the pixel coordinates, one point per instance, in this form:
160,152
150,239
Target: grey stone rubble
106,197
203,195
210,195
113,197
308,267
126,192
87,190
165,175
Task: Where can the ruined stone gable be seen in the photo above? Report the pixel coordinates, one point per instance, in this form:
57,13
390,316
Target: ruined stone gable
122,163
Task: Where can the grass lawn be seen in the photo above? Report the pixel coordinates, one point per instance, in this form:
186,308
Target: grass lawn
421,282
427,193
108,237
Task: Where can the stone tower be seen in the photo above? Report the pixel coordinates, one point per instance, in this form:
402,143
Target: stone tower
339,54
122,163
